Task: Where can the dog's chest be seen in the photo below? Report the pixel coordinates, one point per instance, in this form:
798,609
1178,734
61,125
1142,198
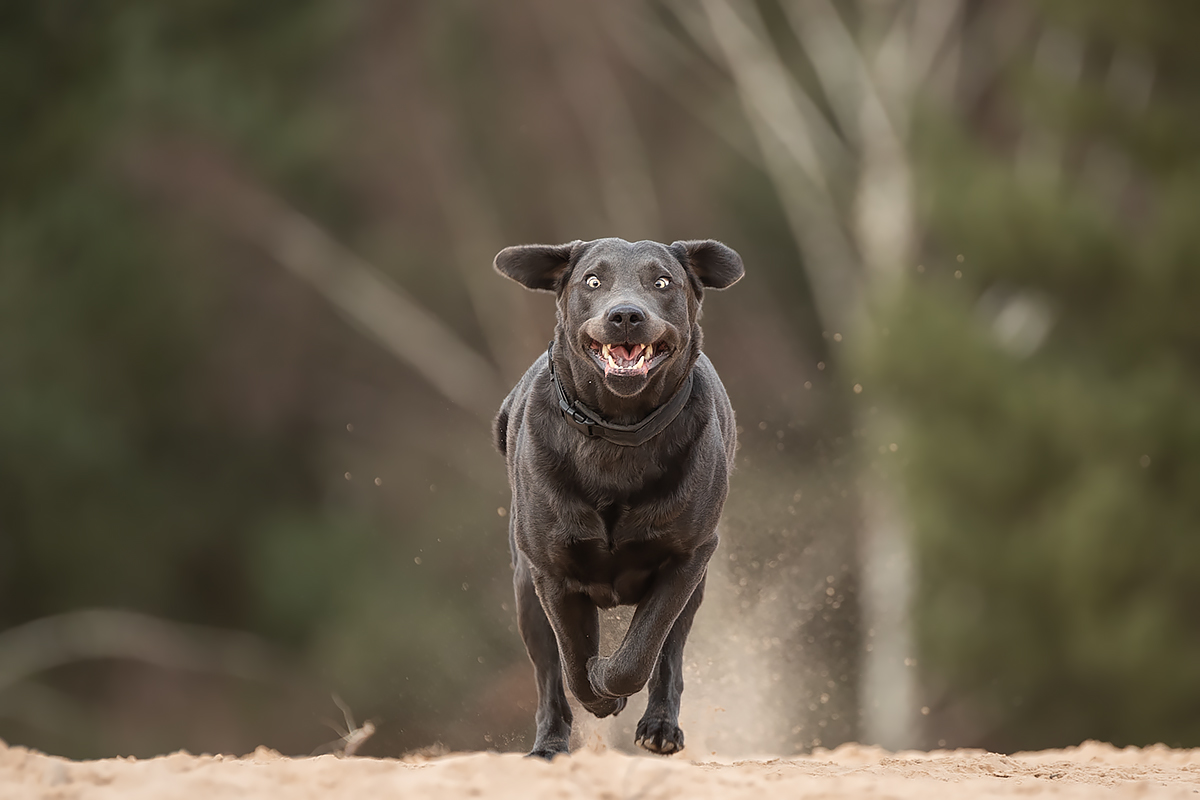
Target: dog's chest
611,577
633,497
609,473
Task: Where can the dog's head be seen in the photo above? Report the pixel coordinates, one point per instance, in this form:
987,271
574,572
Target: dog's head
628,309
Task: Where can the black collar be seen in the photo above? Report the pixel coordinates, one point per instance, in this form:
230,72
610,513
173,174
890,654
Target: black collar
594,426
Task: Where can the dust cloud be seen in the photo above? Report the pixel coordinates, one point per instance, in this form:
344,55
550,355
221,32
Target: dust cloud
771,665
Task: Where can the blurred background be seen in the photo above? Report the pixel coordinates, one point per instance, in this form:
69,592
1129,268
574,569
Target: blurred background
251,342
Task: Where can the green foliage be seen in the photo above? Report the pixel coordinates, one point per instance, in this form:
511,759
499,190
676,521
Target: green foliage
1052,482
119,483
1053,491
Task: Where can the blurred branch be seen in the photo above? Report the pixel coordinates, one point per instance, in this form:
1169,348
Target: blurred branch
876,121
841,68
834,56
783,133
43,644
763,79
594,94
996,33
1042,151
365,296
374,304
476,236
936,39
1106,172
659,57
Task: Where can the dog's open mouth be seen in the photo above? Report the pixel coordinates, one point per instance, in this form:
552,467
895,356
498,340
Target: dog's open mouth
629,359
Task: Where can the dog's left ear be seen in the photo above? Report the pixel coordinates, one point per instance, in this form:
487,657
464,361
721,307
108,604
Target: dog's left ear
715,265
536,266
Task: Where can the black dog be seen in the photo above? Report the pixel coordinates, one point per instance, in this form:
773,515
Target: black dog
619,443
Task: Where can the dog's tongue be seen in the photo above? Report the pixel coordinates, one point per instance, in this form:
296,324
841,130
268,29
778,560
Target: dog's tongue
627,352
624,359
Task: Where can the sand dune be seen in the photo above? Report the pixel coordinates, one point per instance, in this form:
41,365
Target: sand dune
1089,771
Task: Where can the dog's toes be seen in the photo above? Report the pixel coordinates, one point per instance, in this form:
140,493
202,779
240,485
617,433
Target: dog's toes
605,706
548,750
660,736
596,669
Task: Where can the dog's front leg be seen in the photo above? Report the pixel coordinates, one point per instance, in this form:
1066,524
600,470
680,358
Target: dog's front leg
627,670
658,730
576,624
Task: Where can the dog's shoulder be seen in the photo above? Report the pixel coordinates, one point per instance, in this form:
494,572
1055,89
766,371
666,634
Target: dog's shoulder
716,403
705,374
512,409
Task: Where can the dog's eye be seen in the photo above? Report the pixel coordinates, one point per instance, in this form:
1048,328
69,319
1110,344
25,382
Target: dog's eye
661,283
592,281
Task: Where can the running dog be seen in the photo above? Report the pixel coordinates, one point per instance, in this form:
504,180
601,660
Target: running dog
619,443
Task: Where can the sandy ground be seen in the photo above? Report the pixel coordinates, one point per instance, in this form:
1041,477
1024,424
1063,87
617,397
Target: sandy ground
851,771
1091,770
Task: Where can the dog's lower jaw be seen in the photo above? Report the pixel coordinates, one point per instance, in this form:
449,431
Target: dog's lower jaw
625,386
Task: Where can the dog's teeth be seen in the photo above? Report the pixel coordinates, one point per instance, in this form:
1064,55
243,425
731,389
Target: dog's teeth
612,364
605,350
650,351
641,361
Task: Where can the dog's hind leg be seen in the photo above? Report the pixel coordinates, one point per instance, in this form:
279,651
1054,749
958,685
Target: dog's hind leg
658,730
553,713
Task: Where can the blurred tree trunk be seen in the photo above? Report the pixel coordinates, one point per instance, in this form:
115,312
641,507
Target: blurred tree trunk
835,147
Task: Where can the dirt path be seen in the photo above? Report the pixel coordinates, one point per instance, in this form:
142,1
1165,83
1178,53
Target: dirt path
1089,771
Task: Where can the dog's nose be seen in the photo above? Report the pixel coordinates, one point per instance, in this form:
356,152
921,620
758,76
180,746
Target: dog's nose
627,318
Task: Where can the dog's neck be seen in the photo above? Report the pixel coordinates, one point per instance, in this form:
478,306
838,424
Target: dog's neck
584,384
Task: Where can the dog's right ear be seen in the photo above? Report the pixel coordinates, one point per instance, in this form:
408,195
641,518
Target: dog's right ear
714,265
540,267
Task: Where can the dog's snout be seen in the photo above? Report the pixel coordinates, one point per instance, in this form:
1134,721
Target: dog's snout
626,317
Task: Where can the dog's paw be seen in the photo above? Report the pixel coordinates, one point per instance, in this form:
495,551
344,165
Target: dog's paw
604,706
548,749
609,679
660,736
597,668
603,682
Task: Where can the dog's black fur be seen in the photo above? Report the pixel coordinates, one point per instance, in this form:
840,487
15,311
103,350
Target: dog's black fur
596,524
